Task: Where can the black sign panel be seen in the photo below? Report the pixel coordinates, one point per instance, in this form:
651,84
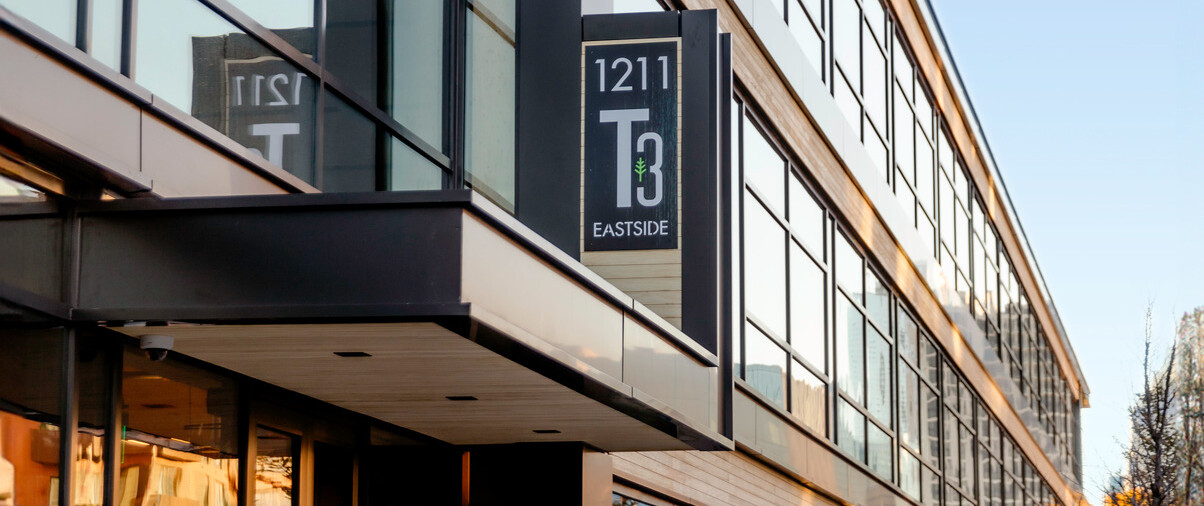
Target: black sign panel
631,128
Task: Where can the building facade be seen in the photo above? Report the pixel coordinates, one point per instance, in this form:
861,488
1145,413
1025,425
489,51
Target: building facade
356,228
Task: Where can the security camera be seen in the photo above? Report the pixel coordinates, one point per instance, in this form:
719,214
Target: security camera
156,346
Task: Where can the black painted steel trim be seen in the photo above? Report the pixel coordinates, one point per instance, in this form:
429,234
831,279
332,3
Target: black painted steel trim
40,305
726,215
83,25
643,25
113,417
129,22
68,399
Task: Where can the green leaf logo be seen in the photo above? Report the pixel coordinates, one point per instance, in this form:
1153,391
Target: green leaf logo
640,168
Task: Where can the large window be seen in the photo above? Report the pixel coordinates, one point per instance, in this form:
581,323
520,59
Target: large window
818,314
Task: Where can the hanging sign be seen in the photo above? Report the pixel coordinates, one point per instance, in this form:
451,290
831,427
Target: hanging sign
631,124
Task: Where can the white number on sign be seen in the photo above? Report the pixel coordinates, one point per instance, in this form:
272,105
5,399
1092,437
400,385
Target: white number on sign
277,89
621,84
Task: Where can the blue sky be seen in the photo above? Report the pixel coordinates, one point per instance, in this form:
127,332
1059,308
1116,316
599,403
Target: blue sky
1093,110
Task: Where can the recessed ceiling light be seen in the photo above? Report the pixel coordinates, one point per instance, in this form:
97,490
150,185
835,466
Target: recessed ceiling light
461,398
546,431
157,406
350,354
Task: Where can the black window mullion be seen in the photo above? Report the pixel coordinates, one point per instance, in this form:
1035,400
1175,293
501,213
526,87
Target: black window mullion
459,40
129,21
83,25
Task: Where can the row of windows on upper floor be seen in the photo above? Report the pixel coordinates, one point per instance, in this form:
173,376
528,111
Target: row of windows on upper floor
827,343
374,113
855,49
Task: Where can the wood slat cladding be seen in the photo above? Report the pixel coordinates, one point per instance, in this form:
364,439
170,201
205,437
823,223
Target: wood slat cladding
714,478
767,91
929,61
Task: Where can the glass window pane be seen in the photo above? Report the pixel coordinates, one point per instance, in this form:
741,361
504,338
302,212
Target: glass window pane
903,69
909,475
880,452
932,360
348,149
931,485
54,16
807,323
923,110
416,68
878,376
16,192
178,413
904,141
909,407
850,329
846,38
950,444
875,84
877,301
277,457
966,444
849,269
293,20
501,12
764,267
932,425
850,426
808,398
409,170
808,38
806,217
875,143
489,160
106,32
924,174
875,17
764,168
849,106
765,370
198,62
91,376
908,337
30,387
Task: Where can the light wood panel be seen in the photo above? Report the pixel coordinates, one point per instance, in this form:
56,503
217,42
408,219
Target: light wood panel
413,367
714,478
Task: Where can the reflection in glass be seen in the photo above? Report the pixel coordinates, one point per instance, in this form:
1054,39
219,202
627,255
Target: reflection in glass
880,453
877,301
764,267
91,372
334,475
907,337
909,407
16,192
849,271
30,416
850,328
846,99
276,459
807,308
55,16
766,366
878,376
348,148
194,59
808,398
619,6
292,20
932,425
850,427
489,157
181,437
764,167
909,475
